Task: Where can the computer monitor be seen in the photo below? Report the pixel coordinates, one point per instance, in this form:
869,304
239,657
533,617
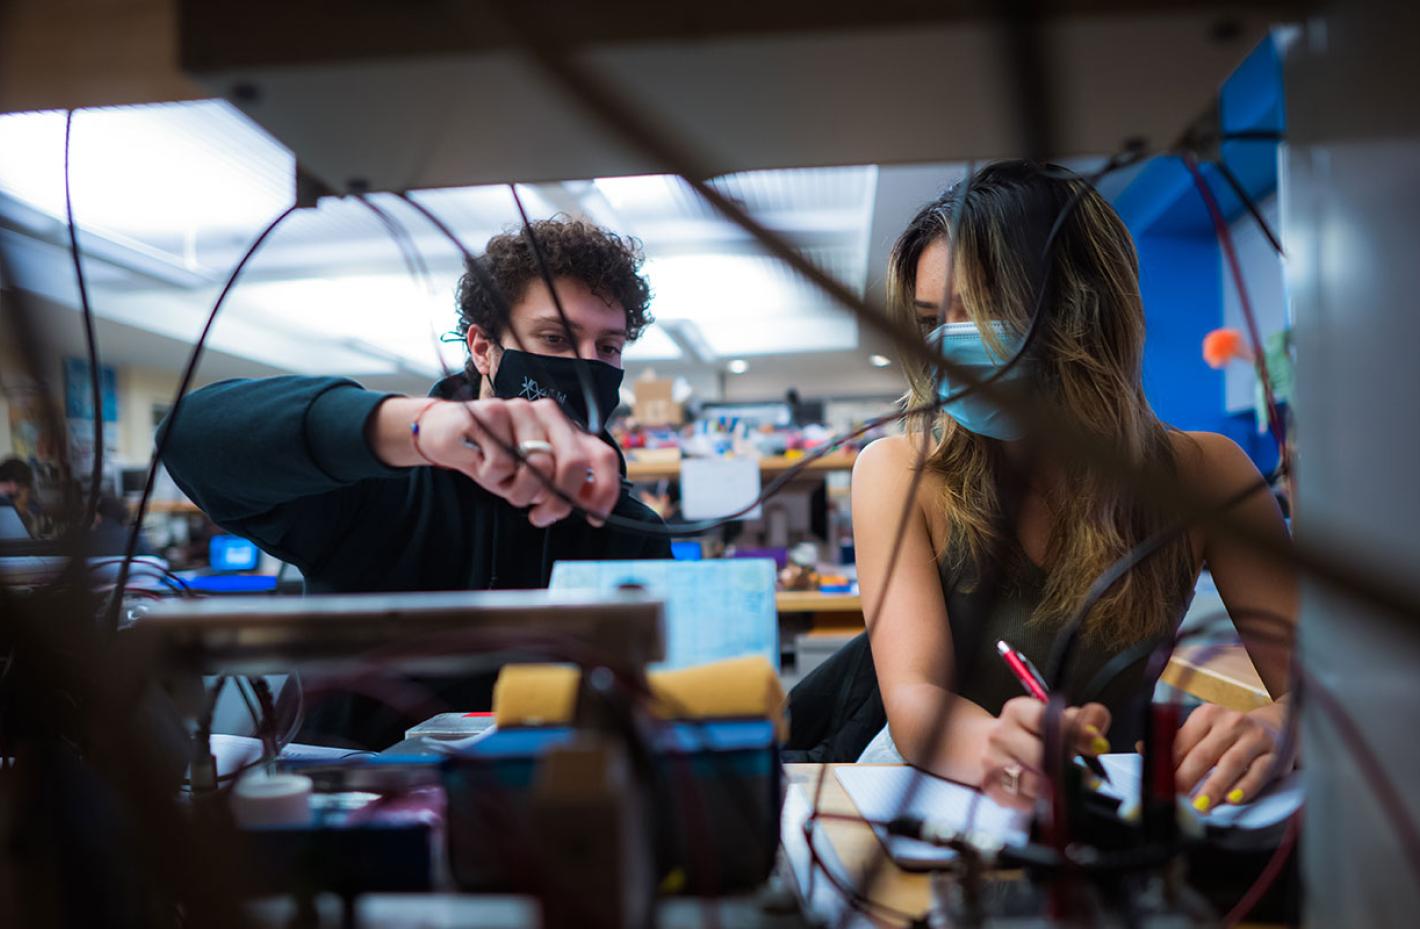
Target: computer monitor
232,553
131,481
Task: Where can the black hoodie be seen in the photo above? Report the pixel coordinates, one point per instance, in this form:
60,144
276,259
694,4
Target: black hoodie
284,461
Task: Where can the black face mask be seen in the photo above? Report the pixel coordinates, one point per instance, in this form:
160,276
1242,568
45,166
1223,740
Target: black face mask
532,377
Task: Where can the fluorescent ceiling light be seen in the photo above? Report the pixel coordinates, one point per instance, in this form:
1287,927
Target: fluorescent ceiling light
645,193
738,366
386,312
655,344
747,304
879,361
164,170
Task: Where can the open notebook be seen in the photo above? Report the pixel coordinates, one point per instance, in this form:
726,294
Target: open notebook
877,793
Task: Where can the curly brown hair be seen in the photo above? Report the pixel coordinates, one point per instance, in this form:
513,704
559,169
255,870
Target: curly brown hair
609,264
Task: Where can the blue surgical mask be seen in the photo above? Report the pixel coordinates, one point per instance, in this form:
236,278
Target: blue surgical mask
962,344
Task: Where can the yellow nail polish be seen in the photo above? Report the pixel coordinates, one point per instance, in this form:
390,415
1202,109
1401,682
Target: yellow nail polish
1100,745
1236,796
1201,803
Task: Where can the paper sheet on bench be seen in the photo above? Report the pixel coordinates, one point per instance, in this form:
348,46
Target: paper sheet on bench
877,792
1280,800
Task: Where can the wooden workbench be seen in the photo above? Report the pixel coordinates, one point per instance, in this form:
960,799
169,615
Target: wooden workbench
1222,674
811,601
769,468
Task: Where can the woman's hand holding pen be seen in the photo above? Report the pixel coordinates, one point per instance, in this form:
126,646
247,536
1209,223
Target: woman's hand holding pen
1239,749
1014,748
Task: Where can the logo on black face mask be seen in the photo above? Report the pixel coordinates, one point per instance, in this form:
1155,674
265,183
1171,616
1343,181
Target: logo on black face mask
532,390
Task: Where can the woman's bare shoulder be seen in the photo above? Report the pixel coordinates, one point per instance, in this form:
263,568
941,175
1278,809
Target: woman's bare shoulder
892,460
884,474
1213,465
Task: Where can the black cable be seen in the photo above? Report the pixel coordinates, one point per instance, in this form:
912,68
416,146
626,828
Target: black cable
91,343
1259,351
1116,162
153,569
1250,205
1070,632
1398,598
409,252
244,690
268,733
184,385
584,374
485,280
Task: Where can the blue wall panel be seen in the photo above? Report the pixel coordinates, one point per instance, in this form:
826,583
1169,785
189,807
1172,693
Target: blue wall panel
1180,278
1180,267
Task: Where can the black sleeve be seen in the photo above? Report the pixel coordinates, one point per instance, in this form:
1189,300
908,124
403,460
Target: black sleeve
656,546
635,545
264,457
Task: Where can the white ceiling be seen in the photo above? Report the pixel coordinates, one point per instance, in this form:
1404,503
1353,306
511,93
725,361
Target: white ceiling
169,196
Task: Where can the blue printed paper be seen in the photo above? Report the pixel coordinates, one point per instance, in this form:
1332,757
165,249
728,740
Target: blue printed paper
715,609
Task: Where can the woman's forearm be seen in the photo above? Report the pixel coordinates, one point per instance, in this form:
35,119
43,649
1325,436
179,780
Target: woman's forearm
922,714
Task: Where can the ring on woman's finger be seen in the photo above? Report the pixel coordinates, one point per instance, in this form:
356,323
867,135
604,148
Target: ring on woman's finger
1011,779
533,446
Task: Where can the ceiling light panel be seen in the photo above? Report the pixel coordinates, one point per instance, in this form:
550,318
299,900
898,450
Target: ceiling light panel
655,344
178,176
386,313
799,189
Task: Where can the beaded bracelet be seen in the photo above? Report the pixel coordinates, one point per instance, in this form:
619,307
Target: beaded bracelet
414,431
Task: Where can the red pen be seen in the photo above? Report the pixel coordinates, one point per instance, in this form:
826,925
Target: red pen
1034,685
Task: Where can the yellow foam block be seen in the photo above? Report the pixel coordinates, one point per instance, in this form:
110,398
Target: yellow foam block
535,694
545,695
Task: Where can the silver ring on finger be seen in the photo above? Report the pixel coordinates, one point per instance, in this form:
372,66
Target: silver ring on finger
1011,779
533,446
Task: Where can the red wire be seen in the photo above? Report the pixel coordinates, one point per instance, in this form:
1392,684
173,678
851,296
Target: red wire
1268,876
1225,241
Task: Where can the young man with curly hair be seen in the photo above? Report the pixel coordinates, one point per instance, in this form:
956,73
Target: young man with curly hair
365,491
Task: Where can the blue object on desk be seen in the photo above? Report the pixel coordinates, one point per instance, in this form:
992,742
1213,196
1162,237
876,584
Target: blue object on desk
687,550
714,816
231,553
232,583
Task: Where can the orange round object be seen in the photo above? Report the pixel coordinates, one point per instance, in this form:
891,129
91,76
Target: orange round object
1222,346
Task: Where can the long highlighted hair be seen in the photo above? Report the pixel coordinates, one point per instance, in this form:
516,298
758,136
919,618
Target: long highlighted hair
1085,359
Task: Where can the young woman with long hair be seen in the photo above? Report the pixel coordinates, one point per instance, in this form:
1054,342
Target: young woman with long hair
1004,539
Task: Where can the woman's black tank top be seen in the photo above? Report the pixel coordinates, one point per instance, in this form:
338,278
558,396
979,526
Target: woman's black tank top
998,607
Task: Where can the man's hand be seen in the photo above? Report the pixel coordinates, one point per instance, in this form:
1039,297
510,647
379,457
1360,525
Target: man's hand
475,438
